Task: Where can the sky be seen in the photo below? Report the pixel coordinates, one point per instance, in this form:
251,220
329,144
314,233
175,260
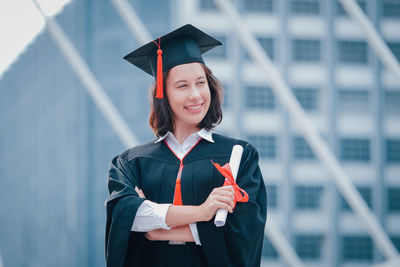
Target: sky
20,23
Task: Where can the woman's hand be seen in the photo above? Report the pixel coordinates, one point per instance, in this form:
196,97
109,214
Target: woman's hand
139,192
219,198
157,234
182,233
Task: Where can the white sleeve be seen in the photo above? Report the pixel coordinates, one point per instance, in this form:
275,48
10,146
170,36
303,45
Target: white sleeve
150,216
195,233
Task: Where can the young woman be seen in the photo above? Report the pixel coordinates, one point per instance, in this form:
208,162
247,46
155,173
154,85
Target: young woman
164,194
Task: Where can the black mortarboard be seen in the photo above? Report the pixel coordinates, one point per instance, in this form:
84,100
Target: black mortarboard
181,46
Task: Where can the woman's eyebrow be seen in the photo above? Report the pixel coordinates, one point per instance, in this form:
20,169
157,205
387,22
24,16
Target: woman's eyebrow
198,78
180,81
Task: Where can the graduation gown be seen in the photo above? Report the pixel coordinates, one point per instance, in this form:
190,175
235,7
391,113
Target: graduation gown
153,168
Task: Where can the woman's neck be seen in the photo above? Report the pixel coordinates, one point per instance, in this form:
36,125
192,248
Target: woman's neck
183,132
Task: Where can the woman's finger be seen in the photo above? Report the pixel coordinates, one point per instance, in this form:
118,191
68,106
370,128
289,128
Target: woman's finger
139,192
225,200
224,192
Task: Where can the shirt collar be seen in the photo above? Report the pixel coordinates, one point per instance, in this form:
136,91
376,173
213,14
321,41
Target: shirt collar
203,133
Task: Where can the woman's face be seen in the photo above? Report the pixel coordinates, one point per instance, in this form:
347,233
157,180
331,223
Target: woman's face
188,94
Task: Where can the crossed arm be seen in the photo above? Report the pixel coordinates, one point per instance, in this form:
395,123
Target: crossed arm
179,217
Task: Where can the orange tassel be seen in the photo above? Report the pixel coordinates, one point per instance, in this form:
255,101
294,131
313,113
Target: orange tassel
177,194
159,75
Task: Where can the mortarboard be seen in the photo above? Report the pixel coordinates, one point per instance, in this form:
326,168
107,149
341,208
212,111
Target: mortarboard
181,46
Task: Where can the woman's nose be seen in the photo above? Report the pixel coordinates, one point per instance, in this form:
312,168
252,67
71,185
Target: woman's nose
194,93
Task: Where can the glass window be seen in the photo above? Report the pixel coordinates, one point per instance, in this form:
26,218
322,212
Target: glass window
355,149
395,47
394,199
207,5
308,98
301,149
268,250
267,43
357,248
353,52
393,150
391,8
272,197
308,7
225,101
306,50
396,241
392,100
307,197
265,145
259,97
218,52
259,5
354,100
342,12
308,246
366,194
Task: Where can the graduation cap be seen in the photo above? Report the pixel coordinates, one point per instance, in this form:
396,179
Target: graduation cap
181,46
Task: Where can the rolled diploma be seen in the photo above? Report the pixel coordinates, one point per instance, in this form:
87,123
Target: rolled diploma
234,163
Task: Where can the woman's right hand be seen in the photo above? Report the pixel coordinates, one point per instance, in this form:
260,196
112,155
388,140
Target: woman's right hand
220,198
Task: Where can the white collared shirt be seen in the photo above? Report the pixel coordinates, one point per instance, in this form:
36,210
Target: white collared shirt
150,215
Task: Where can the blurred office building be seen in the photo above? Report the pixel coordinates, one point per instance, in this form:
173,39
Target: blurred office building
55,145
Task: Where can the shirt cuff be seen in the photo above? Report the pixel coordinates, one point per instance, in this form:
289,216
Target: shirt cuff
195,233
150,216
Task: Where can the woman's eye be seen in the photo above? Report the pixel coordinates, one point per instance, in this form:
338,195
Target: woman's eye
202,82
182,86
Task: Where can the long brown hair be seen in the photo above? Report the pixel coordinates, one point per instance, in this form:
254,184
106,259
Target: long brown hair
161,119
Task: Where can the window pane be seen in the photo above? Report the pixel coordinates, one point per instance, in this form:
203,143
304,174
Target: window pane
391,8
265,145
272,197
308,98
305,7
396,241
394,199
357,248
392,102
306,50
341,12
352,52
268,250
225,101
259,97
353,149
393,150
301,149
259,5
395,47
207,5
366,194
353,100
308,246
267,43
307,197
218,52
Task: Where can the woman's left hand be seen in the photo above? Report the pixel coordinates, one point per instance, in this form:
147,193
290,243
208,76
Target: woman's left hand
180,234
154,235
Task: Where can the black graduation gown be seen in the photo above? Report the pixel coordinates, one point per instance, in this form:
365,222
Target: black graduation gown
153,167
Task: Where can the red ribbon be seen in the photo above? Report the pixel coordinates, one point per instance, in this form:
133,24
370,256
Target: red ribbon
240,194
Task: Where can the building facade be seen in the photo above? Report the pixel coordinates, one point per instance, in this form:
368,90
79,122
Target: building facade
351,99
55,146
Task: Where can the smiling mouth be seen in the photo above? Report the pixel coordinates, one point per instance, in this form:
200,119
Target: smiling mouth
194,107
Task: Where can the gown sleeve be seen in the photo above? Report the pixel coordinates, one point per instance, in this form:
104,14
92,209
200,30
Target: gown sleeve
121,208
239,242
